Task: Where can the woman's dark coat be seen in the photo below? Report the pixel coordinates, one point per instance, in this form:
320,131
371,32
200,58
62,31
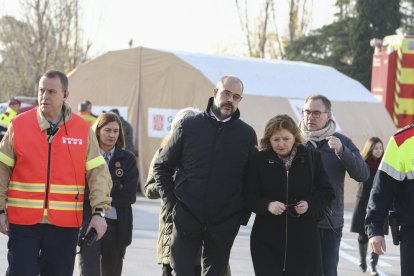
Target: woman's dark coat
360,210
124,173
284,241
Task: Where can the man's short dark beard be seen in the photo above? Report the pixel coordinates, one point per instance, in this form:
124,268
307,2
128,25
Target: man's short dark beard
217,112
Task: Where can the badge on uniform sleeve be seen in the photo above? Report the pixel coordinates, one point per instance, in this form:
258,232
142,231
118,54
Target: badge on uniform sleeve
118,171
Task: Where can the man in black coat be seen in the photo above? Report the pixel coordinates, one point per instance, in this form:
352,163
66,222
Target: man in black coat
210,152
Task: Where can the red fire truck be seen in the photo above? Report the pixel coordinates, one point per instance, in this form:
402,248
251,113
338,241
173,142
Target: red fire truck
393,76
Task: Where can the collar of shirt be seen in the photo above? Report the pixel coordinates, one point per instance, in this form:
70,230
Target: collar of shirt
109,154
214,115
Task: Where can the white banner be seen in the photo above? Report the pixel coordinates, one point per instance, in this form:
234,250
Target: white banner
159,121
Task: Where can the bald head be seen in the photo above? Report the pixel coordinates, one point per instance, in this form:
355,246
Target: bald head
230,80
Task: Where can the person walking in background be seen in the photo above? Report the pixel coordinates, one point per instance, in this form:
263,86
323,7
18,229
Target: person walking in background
210,153
128,131
339,155
286,185
85,111
6,117
372,154
45,157
393,189
165,218
105,257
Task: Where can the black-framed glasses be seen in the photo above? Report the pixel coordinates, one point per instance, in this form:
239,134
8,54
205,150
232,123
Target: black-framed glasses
290,210
228,94
315,114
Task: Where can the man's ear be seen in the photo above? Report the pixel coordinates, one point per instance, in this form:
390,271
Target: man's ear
66,94
215,91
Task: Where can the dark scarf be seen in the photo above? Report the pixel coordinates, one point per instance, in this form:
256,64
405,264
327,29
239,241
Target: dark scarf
373,164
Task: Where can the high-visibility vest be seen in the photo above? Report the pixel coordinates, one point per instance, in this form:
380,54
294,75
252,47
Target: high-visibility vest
88,117
48,179
398,157
7,116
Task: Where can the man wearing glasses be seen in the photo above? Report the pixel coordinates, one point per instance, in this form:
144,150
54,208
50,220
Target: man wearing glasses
339,155
210,152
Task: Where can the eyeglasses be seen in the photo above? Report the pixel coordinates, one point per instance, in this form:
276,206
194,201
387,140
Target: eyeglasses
228,95
315,114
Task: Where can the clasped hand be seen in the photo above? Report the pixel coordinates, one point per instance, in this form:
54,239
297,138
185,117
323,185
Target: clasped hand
278,208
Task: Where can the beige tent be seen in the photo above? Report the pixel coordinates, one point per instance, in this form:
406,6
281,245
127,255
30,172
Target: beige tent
151,85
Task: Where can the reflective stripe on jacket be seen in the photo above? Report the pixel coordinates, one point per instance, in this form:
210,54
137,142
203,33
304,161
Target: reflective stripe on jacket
7,116
48,179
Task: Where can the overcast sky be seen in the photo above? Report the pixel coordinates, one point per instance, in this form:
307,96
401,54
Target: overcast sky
205,26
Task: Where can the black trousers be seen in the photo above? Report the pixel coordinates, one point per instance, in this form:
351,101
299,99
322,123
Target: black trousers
42,249
104,257
188,236
407,250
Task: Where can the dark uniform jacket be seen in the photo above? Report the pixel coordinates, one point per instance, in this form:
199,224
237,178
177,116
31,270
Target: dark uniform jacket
393,187
124,173
211,159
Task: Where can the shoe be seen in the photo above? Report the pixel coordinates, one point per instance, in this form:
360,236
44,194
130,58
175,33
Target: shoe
373,264
363,256
363,266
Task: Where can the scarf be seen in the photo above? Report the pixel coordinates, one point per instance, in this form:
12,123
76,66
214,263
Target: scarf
317,135
287,160
373,164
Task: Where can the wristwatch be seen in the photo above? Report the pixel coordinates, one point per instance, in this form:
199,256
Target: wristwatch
99,212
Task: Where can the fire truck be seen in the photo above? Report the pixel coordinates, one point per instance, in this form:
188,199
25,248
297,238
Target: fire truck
393,76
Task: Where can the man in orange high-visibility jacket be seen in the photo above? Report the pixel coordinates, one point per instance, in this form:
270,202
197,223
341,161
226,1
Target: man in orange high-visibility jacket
46,157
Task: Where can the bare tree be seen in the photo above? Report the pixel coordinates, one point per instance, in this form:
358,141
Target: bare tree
48,36
262,36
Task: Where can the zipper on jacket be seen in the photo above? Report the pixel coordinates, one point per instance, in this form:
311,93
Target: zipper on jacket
286,220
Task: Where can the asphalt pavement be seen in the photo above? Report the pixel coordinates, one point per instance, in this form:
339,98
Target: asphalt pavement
140,257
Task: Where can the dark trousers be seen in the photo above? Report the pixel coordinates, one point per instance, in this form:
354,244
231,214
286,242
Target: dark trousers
42,249
407,250
104,257
330,241
184,248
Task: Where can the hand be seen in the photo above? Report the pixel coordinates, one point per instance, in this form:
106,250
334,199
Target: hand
276,207
301,207
4,224
377,244
99,223
335,144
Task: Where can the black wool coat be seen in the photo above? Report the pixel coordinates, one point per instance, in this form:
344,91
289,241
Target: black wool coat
284,241
360,209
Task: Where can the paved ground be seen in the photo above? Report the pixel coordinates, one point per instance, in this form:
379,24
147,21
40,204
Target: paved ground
140,257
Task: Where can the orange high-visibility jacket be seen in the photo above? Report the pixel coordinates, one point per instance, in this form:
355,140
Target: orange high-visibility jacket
48,178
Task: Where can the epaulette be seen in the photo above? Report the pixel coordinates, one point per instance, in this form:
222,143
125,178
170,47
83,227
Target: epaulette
403,134
404,129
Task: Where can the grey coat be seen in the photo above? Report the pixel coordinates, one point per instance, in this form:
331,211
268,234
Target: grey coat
336,166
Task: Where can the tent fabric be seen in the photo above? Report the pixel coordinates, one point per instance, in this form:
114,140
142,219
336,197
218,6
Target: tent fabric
141,78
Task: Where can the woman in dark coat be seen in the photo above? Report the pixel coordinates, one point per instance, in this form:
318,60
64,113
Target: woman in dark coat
286,187
372,154
105,257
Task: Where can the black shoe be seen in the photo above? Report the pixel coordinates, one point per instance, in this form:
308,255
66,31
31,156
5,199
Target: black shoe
373,270
363,266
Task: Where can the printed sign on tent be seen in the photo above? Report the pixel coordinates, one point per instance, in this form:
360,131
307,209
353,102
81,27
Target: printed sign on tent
159,121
